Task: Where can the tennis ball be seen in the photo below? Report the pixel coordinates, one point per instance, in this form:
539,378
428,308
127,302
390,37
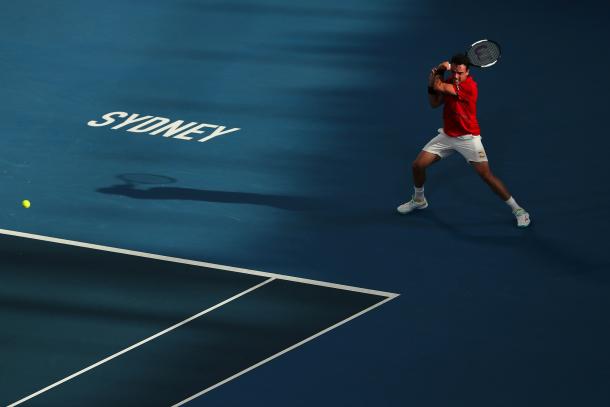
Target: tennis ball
26,204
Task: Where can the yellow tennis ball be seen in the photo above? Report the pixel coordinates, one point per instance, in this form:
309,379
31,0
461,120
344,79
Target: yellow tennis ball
26,204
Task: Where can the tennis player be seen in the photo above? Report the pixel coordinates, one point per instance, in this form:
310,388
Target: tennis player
460,133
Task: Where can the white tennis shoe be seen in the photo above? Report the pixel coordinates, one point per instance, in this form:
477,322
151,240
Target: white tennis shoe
412,205
523,218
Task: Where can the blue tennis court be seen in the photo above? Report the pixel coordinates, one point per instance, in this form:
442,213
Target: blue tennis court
213,189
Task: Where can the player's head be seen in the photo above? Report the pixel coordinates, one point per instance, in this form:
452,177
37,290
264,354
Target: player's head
460,67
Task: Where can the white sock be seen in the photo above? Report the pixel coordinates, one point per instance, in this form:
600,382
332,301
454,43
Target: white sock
419,194
512,203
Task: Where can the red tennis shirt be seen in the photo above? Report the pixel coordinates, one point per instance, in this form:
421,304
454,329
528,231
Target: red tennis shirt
460,112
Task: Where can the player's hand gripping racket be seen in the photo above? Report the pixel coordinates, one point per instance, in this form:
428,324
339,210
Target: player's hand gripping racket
484,53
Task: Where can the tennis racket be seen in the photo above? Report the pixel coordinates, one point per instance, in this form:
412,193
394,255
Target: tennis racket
484,53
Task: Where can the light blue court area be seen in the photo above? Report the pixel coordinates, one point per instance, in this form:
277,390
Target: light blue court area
96,326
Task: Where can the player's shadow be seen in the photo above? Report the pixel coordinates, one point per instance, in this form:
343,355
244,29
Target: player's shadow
529,245
292,203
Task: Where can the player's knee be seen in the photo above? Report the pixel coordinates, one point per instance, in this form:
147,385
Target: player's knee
418,165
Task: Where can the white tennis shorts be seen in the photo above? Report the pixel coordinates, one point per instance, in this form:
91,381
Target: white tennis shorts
469,146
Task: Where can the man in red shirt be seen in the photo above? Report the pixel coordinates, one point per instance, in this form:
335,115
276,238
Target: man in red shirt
460,133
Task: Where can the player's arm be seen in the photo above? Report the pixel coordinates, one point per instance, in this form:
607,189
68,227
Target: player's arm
435,98
439,85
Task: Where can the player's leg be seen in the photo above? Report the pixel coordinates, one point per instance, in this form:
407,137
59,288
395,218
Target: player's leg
497,186
471,148
418,201
437,148
423,160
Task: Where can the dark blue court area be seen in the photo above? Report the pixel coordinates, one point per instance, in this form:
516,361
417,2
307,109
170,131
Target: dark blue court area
69,307
211,180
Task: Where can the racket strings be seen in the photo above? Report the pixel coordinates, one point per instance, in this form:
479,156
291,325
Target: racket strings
484,53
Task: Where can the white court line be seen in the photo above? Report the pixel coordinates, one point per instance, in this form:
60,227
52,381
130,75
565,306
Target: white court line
196,263
270,277
296,345
186,321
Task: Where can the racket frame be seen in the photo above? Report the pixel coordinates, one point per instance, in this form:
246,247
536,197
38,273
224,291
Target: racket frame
492,63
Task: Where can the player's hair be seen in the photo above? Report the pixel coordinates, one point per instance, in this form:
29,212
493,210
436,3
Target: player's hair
460,59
